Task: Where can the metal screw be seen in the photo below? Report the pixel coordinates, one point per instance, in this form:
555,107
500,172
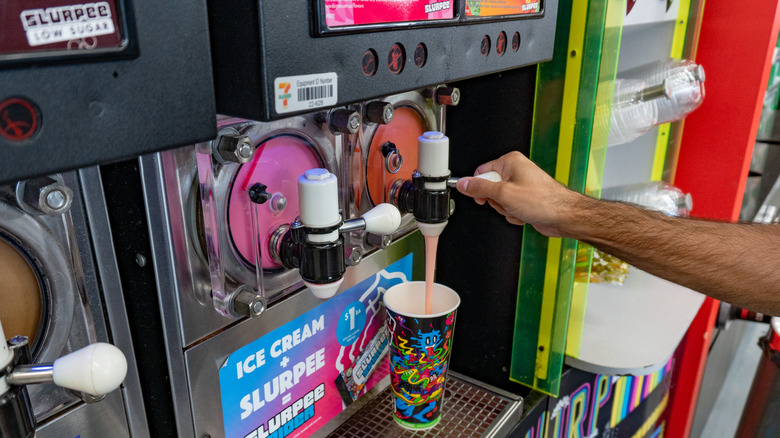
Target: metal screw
18,341
452,206
55,199
232,147
140,260
354,257
246,302
44,195
379,112
245,149
448,96
278,202
345,121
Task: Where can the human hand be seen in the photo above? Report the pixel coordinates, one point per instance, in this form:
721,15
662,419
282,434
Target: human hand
526,195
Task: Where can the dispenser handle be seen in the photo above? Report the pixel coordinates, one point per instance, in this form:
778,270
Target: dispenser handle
382,219
96,369
490,176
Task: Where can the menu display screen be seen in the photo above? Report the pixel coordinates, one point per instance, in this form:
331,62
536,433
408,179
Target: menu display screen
344,13
30,27
496,8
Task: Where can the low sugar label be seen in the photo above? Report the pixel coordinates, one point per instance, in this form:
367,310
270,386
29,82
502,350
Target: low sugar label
32,26
305,92
290,382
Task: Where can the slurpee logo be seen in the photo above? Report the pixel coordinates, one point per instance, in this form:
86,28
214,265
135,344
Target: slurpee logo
285,93
604,402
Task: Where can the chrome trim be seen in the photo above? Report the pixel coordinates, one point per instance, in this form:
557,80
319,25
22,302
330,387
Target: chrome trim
116,312
155,202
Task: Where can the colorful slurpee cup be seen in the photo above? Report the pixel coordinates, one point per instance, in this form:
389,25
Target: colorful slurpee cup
420,348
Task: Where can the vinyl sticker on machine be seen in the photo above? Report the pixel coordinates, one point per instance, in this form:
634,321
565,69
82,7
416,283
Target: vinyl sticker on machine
305,92
295,379
31,26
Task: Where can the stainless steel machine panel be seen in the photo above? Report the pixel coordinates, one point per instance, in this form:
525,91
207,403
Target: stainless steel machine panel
205,359
71,297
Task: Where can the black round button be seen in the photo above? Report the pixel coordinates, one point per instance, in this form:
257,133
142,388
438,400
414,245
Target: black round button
420,55
484,47
396,59
516,41
19,118
369,62
501,44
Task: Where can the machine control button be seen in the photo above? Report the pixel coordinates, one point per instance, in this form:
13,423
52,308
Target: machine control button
396,59
501,43
420,55
516,41
484,47
19,118
369,62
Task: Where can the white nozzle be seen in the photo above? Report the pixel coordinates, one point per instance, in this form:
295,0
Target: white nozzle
96,369
491,176
324,291
318,198
431,230
382,219
433,154
6,356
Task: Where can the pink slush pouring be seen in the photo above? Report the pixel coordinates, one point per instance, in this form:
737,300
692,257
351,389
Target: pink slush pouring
277,163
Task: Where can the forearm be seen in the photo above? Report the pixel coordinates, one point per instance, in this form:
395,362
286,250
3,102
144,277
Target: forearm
736,263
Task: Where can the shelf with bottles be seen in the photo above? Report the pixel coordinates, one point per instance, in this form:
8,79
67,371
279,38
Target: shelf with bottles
631,328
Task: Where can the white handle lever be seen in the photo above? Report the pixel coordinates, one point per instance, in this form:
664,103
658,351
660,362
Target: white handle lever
382,219
96,369
491,176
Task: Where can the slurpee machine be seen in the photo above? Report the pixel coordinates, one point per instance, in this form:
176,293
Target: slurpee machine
252,262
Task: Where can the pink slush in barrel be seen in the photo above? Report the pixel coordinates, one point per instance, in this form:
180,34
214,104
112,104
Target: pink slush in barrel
277,163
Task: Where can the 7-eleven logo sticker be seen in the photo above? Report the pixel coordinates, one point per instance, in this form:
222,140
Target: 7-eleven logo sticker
284,94
305,92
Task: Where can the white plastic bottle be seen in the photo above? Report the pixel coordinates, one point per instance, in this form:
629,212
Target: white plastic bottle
631,116
654,195
684,84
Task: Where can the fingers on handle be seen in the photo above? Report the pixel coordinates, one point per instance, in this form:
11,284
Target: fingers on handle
478,188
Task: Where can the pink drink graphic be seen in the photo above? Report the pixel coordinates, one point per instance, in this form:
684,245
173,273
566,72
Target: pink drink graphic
277,163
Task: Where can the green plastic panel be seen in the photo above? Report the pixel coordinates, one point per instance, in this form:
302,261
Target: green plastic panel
586,47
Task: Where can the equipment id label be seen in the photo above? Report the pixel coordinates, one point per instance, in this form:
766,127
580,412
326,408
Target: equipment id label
305,92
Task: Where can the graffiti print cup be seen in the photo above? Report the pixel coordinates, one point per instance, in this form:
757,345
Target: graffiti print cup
420,348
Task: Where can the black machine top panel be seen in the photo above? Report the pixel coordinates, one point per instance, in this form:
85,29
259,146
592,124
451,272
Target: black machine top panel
92,82
302,55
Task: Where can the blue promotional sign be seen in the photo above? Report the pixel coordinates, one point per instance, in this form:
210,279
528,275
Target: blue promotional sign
295,379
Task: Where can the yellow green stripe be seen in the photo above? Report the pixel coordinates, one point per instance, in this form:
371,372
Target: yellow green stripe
678,45
563,169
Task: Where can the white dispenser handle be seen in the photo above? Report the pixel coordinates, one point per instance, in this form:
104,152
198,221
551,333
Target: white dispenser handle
96,369
382,219
491,176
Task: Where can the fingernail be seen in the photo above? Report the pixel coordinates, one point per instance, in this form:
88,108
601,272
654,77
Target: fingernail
463,184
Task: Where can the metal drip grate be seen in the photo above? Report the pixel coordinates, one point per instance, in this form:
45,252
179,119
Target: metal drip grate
469,411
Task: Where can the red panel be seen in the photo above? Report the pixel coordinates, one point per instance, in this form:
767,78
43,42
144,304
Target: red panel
735,47
686,392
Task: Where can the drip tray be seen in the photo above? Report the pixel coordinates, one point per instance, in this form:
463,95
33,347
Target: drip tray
471,409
